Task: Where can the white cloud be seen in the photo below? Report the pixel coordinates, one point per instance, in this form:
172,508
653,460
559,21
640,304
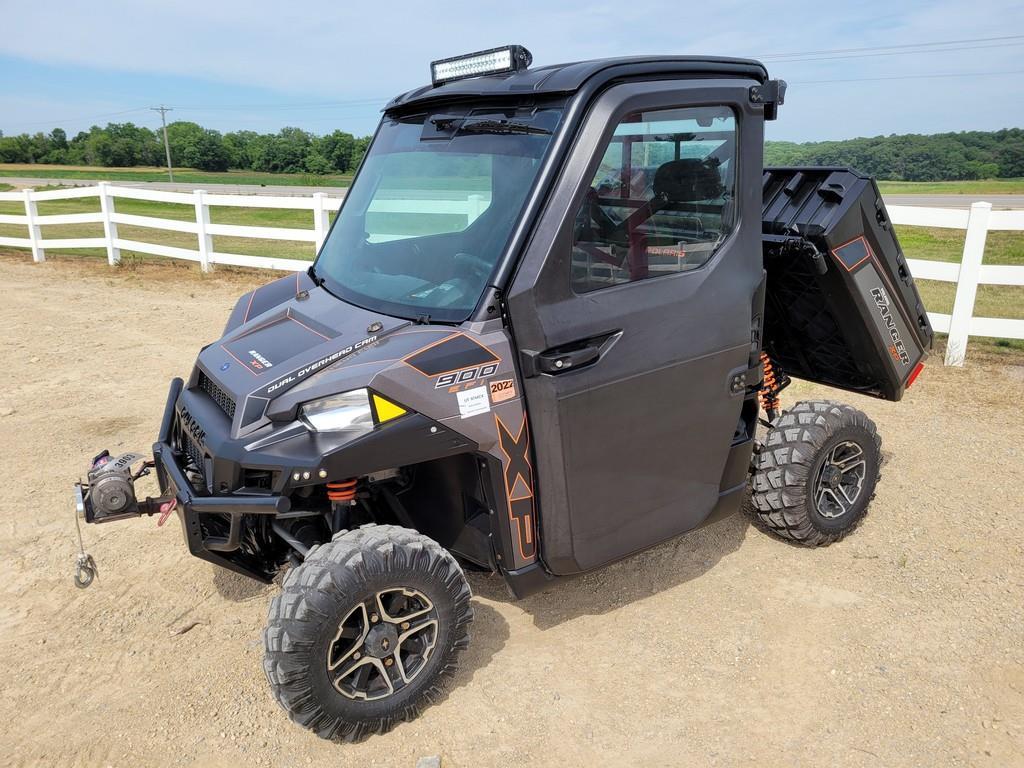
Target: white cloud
335,50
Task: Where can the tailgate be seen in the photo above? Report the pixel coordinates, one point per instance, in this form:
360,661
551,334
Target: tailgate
841,307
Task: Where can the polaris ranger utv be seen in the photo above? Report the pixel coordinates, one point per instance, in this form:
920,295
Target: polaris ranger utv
540,337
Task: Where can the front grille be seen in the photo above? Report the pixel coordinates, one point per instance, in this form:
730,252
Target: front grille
219,396
192,450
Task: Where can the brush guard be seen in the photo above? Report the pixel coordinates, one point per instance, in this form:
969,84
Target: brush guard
109,494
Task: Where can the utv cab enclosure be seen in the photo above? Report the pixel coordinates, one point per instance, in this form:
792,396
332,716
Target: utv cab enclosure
541,335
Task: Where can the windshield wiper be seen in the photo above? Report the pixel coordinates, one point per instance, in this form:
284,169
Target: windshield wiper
317,280
503,127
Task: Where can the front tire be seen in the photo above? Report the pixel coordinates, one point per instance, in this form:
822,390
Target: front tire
366,631
816,472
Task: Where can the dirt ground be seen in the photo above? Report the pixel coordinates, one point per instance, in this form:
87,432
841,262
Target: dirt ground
901,646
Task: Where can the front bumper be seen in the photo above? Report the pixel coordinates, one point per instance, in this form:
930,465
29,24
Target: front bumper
192,506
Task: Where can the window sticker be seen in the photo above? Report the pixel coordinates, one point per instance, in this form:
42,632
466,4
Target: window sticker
473,401
502,390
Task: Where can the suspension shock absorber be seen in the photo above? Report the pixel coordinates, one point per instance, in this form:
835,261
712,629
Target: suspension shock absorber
342,496
774,382
342,491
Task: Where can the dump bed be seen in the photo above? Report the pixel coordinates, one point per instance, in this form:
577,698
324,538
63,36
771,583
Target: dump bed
841,307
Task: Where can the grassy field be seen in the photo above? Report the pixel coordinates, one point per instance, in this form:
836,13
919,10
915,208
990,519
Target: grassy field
263,217
920,243
184,175
190,175
947,245
975,187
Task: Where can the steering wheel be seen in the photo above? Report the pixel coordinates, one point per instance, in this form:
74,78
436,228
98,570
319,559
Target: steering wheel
595,225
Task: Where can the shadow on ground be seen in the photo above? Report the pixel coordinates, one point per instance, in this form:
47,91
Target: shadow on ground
489,630
667,565
237,588
488,635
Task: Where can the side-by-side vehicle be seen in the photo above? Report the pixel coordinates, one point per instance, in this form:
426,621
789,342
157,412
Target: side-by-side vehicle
542,334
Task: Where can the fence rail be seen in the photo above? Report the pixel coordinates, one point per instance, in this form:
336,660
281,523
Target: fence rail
960,324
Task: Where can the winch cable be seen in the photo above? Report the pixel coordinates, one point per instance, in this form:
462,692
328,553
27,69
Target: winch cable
85,566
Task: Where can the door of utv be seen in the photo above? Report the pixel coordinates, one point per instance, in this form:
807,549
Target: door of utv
632,311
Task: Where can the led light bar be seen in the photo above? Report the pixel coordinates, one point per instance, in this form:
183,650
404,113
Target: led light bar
495,61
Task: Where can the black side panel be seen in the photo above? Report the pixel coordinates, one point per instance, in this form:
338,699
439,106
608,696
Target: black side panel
454,353
631,446
841,307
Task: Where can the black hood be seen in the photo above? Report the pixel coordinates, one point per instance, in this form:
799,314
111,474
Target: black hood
278,336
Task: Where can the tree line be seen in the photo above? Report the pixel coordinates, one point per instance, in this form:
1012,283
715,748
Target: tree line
290,150
914,157
906,157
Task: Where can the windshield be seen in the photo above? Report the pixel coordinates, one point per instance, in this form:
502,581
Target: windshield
427,218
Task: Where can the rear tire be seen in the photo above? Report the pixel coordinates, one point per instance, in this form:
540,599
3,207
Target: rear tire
816,472
366,631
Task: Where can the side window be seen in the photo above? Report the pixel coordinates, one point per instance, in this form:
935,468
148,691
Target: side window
662,200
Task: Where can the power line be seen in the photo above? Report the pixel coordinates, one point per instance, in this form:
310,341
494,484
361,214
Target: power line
284,107
893,47
911,77
939,46
896,53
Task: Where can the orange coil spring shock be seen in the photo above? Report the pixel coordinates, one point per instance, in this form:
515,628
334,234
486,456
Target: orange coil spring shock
768,395
343,491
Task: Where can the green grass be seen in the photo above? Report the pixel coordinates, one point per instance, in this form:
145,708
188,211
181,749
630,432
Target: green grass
185,175
973,187
192,176
918,243
262,217
948,245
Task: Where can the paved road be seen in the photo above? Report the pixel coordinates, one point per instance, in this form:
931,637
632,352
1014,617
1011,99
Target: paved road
956,201
928,201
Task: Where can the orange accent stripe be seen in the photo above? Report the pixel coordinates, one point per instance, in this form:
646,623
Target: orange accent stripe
508,491
249,305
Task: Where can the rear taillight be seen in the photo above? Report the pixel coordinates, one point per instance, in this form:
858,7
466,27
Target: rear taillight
914,374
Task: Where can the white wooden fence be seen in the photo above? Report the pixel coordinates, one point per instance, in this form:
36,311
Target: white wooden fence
319,204
978,221
960,325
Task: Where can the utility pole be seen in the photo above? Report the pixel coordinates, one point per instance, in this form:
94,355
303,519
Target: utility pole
167,147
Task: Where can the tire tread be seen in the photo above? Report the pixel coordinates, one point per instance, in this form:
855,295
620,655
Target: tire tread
780,470
297,613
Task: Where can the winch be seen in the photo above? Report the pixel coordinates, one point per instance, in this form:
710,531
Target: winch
111,489
109,494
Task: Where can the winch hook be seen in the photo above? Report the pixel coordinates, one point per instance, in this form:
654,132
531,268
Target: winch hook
85,570
85,566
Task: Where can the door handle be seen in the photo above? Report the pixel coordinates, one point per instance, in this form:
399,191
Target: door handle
567,357
559,362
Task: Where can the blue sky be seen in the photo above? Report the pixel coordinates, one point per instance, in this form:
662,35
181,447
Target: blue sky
229,64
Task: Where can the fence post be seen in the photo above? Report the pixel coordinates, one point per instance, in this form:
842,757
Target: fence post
35,233
109,227
967,283
321,220
202,220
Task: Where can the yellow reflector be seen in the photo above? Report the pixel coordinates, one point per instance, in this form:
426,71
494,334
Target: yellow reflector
386,410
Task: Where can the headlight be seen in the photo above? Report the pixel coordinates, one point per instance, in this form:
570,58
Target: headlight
348,412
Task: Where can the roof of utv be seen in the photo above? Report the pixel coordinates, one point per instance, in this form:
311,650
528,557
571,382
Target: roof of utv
567,78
